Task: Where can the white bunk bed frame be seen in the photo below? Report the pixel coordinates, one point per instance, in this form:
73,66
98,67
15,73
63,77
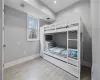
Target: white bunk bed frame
68,64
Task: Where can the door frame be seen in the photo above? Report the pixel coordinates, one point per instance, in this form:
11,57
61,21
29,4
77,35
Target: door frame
2,39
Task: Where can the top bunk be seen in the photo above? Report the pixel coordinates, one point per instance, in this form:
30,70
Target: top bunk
62,26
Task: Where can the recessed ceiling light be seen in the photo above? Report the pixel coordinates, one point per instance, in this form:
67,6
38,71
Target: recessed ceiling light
76,10
55,1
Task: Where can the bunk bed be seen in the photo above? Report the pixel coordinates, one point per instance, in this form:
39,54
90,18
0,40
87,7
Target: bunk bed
69,58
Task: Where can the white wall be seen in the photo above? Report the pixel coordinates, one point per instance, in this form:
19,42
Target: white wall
95,11
17,46
42,23
72,12
58,39
81,8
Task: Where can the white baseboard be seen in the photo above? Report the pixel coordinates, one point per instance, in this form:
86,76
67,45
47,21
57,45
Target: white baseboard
12,63
85,63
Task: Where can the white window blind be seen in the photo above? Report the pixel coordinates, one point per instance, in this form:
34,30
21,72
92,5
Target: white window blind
32,28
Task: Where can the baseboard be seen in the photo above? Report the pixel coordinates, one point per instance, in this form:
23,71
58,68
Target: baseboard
12,63
85,63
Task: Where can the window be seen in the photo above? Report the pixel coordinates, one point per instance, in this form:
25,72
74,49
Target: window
32,28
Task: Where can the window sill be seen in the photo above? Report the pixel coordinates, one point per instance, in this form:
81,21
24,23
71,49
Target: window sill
31,40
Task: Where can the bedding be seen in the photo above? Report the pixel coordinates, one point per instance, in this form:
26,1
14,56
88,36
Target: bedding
73,54
58,51
63,52
53,49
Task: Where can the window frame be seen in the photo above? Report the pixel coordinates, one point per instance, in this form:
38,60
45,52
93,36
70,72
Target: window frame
35,39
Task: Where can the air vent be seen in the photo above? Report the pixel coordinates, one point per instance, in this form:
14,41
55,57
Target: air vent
48,18
22,5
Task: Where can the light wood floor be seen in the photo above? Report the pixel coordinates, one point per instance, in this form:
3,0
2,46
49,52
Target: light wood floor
37,69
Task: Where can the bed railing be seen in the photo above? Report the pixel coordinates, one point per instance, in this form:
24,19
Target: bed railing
55,26
60,27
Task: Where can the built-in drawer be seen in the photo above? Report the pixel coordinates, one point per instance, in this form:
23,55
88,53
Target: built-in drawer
56,56
73,61
73,70
57,62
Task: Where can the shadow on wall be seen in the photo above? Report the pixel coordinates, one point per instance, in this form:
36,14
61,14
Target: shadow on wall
87,46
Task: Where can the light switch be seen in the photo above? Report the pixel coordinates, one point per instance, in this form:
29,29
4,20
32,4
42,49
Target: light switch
18,42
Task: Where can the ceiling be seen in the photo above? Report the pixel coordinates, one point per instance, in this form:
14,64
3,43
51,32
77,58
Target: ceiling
41,9
57,5
27,9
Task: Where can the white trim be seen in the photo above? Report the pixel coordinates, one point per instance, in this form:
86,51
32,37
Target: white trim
2,24
85,63
27,29
12,63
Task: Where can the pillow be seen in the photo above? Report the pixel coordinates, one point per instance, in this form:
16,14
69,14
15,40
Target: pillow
74,53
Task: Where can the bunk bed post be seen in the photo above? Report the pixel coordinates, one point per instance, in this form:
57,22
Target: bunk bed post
67,47
42,40
79,51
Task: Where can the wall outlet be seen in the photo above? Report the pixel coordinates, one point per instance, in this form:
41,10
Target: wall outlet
24,52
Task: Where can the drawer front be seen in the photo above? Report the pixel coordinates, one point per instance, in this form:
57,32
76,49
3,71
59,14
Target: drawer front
57,62
73,62
73,70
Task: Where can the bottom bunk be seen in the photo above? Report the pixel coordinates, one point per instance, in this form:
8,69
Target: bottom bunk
63,59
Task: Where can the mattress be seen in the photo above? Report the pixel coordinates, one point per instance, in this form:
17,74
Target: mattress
62,52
